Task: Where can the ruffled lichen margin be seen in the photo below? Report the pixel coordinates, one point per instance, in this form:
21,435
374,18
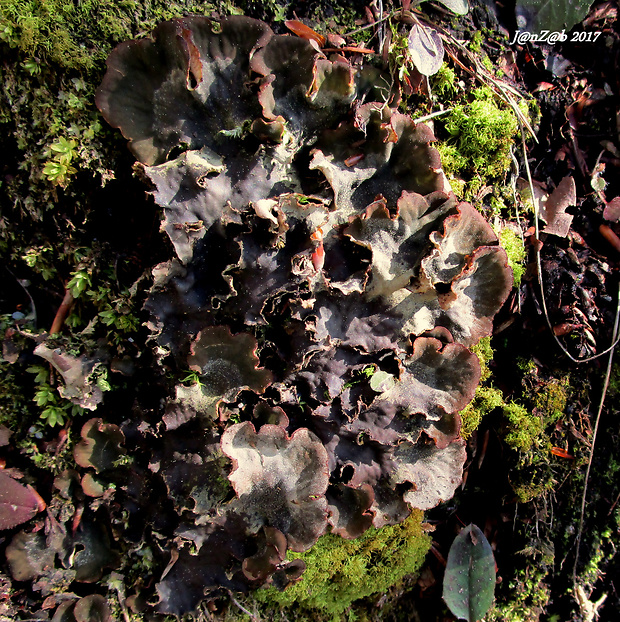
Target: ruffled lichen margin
325,293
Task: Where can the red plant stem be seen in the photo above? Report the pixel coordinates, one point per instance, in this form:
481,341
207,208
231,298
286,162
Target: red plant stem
610,236
63,311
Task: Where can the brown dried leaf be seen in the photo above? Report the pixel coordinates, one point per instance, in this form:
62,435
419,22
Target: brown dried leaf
18,503
426,49
554,209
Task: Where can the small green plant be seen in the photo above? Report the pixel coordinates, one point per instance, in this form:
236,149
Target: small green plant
32,66
78,283
55,410
52,461
59,168
40,259
191,378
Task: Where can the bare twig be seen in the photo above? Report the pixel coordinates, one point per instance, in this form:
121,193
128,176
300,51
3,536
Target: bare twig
362,28
246,611
433,115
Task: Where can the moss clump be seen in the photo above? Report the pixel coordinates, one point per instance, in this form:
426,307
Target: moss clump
525,427
512,243
79,34
444,82
482,132
485,400
531,483
452,161
528,596
475,45
341,571
551,400
484,352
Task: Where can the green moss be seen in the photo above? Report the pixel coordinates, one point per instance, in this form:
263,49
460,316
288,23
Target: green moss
512,243
80,33
526,366
483,134
485,400
551,399
444,82
341,571
528,596
452,161
525,427
533,482
484,352
54,462
475,45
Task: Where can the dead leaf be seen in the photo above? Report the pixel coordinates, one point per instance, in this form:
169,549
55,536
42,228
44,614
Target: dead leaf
18,503
612,210
305,32
553,211
426,49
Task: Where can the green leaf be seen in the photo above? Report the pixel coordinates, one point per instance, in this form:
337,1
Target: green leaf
469,581
45,395
42,374
53,416
80,280
64,146
553,15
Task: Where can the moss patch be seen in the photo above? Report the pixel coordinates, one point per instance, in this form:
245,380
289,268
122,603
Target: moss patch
483,132
525,427
80,34
551,399
512,243
341,571
529,595
485,400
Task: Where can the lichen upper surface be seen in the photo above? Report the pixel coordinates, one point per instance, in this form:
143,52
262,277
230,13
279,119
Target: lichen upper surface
326,290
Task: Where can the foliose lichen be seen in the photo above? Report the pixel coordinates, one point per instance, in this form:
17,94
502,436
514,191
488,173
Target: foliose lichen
326,290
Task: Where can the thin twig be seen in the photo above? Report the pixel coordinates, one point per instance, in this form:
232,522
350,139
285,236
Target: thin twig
433,115
362,28
380,28
246,611
594,433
